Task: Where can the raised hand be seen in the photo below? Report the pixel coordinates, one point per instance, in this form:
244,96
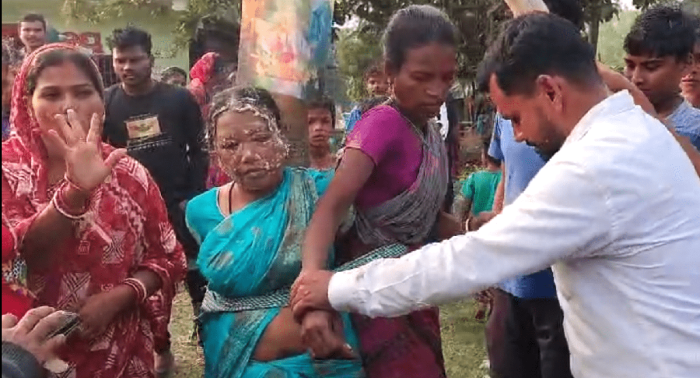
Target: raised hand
85,166
310,292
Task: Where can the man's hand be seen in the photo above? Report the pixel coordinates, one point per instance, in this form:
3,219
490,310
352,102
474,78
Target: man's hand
310,292
322,332
476,222
31,332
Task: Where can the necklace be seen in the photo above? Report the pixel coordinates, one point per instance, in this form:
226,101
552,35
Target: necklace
420,134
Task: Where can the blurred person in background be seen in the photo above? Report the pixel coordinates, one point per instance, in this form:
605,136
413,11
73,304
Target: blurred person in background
321,121
32,32
160,126
174,76
659,54
690,85
377,85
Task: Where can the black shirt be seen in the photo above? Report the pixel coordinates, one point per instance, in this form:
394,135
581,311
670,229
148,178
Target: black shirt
163,130
17,362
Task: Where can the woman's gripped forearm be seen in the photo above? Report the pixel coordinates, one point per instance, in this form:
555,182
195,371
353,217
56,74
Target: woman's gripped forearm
321,233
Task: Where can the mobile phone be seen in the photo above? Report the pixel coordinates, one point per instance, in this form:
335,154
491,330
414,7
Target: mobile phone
72,323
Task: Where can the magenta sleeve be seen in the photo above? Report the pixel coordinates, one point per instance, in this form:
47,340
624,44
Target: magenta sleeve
376,133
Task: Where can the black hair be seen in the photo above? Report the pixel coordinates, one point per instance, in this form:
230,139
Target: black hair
224,101
485,145
413,27
370,103
570,10
323,102
35,17
172,71
536,44
130,37
662,31
54,58
374,69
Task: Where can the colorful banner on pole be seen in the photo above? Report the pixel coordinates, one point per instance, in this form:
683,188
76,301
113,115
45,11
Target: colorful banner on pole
283,43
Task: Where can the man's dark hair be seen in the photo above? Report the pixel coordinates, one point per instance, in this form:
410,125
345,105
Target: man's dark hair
533,45
413,27
325,103
130,37
374,69
34,17
570,10
662,31
172,71
373,102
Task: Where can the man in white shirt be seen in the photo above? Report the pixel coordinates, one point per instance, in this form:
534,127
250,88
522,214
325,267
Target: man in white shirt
615,211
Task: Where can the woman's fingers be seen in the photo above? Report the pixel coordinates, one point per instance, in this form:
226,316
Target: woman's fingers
75,125
66,129
59,145
115,157
95,132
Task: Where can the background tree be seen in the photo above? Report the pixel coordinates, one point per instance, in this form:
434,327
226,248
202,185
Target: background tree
188,20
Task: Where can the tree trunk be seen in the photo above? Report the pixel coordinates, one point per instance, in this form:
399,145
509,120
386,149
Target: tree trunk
594,26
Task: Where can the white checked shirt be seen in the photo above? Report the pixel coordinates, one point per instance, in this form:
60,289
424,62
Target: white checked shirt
617,213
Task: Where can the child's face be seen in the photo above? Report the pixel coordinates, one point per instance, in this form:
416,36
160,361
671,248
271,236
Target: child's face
378,85
658,77
320,122
691,82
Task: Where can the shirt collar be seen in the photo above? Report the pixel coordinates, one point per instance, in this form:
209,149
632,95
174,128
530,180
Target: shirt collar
618,103
684,106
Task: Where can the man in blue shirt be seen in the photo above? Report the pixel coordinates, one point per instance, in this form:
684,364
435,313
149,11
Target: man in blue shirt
526,316
377,84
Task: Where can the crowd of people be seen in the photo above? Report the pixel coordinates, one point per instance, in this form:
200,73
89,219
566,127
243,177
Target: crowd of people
577,236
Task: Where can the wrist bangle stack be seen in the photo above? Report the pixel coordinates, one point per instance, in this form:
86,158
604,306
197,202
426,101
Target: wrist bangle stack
72,184
59,203
138,287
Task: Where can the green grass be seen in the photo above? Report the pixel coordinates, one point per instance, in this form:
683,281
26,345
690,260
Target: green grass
462,337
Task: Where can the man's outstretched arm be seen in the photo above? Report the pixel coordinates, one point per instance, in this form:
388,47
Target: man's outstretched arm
560,214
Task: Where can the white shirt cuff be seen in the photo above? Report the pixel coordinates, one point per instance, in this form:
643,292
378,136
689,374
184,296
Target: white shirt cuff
342,291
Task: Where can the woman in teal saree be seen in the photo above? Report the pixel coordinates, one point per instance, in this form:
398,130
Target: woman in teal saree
250,233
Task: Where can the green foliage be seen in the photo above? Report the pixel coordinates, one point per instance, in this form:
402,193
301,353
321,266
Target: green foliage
197,9
97,11
475,20
612,34
356,50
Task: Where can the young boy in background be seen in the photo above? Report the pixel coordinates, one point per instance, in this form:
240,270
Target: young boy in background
659,54
377,84
477,193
